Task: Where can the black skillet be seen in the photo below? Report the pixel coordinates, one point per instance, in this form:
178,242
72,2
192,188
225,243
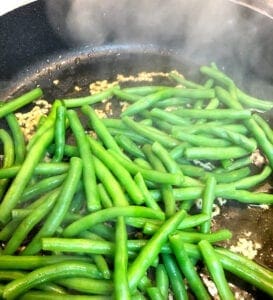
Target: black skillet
38,56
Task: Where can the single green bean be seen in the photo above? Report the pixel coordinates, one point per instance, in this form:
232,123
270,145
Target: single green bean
104,196
188,269
168,117
89,177
143,90
60,126
90,220
198,140
18,137
99,97
138,138
154,293
162,280
264,125
125,96
88,285
215,153
231,176
61,207
129,146
15,104
215,269
43,186
195,237
207,203
214,114
36,295
152,248
175,277
121,287
148,199
62,270
186,83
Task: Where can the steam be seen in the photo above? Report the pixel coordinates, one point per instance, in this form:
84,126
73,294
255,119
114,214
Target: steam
204,31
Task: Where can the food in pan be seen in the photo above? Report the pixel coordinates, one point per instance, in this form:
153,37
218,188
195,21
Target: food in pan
107,206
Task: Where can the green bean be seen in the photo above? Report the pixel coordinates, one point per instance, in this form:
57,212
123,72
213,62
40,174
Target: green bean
236,164
213,104
118,170
113,123
188,269
215,114
188,222
172,102
231,176
110,183
253,102
13,262
151,175
195,237
35,295
215,269
138,138
215,153
240,259
143,90
60,126
29,222
162,280
129,146
248,271
43,186
41,169
18,137
90,220
152,248
62,270
142,163
175,277
166,189
104,230
265,126
147,101
162,125
234,137
154,293
169,163
198,140
148,199
100,129
207,203
169,92
186,83
61,207
99,97
7,231
104,196
68,150
245,196
192,171
168,117
15,104
125,96
89,177
261,138
217,75
9,156
12,196
121,288
151,133
47,125
88,285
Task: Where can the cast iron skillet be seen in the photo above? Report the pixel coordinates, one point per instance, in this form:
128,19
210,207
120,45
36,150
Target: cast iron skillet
82,65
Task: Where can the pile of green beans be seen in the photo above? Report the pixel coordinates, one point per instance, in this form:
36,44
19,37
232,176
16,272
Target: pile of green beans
108,211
